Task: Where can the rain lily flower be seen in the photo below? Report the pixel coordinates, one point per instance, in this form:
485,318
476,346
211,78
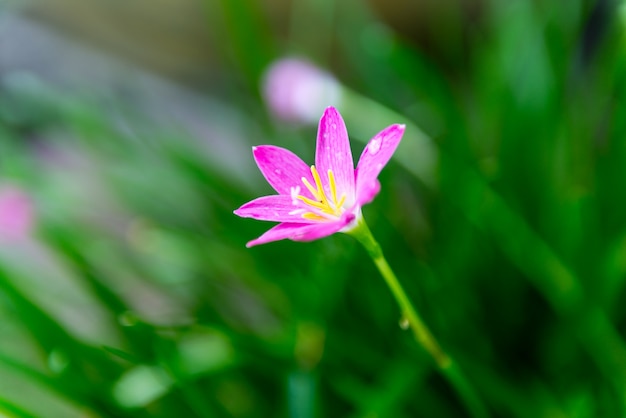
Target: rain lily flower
296,90
317,201
320,200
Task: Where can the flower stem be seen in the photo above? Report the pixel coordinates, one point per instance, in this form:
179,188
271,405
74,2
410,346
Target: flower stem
423,336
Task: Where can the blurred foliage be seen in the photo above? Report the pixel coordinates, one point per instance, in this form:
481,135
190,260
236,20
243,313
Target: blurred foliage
135,295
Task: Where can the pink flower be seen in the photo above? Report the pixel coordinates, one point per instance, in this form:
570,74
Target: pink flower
317,201
296,90
16,214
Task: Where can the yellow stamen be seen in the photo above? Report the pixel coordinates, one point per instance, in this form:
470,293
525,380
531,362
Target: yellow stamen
313,203
321,204
342,201
313,216
311,189
318,183
333,188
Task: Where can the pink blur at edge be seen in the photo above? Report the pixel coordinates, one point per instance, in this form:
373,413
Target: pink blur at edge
16,214
296,90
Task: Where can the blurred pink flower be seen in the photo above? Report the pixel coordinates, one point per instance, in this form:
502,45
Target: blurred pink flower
313,203
16,213
296,90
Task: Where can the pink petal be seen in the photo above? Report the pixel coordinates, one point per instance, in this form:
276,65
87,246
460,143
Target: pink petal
333,152
277,208
374,157
300,232
368,192
282,169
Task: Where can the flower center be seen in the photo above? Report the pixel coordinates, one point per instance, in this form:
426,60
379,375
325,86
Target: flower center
322,207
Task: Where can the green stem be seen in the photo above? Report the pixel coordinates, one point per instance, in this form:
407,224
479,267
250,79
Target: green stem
423,336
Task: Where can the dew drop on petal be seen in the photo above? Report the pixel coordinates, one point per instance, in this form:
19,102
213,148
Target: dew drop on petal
374,146
333,126
278,171
325,135
404,323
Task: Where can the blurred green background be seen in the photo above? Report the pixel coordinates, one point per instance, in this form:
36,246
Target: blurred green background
126,130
